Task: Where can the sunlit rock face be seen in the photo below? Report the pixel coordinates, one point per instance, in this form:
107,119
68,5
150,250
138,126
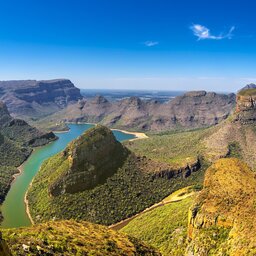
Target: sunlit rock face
246,105
89,161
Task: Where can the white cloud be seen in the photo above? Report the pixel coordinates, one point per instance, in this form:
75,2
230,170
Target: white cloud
151,43
202,32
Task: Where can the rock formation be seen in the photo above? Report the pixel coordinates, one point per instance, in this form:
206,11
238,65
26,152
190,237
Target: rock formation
91,159
246,105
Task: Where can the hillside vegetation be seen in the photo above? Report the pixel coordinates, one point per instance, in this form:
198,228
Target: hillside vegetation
176,149
164,228
73,238
17,139
133,185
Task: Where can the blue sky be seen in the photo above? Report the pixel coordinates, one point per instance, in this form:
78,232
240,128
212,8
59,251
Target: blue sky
130,44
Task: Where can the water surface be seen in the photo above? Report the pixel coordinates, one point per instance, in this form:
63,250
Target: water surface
13,208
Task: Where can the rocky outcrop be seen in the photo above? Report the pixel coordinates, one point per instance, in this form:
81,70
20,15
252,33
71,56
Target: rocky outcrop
221,221
36,99
90,160
246,105
192,110
183,172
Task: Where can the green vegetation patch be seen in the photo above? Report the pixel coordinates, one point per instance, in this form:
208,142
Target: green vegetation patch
235,150
164,228
124,194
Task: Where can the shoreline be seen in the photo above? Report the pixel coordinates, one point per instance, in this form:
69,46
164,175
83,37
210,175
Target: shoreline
27,204
138,135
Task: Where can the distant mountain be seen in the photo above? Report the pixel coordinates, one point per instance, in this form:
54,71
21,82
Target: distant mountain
249,86
16,141
35,99
191,110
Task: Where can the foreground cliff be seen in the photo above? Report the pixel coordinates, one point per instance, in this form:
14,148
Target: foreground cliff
98,179
71,238
191,110
222,219
31,99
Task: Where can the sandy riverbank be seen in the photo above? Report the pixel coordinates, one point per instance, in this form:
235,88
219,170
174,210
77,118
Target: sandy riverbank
27,206
138,135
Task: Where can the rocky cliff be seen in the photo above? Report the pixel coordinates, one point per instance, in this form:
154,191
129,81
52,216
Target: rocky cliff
222,219
91,159
246,105
192,110
36,99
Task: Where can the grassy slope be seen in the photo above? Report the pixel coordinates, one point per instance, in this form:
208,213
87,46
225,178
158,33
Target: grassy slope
73,238
164,228
126,193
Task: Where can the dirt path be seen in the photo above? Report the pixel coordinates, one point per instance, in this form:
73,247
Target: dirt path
174,197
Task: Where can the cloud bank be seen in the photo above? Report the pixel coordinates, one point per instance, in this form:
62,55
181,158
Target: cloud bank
202,33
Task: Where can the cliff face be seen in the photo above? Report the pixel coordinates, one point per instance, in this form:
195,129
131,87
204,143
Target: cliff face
246,106
221,222
31,98
192,110
91,159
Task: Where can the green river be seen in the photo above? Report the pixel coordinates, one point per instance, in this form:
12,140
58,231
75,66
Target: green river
13,208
